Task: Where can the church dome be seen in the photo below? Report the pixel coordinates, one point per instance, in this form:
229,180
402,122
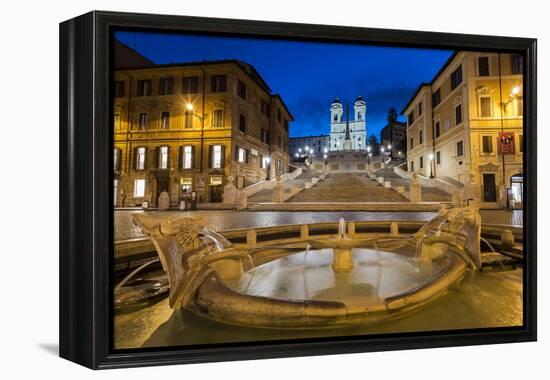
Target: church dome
359,101
336,103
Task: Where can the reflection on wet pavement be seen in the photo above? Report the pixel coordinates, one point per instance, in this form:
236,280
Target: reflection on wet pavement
482,299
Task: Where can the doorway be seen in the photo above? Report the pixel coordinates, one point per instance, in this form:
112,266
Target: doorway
489,188
516,184
162,185
216,193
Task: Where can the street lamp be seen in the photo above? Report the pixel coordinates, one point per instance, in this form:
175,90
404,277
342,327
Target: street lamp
189,106
431,158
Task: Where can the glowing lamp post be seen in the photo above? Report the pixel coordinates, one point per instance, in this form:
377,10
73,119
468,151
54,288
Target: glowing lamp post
431,158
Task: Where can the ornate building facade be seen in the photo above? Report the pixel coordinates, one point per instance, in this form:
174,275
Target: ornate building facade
192,127
357,127
466,125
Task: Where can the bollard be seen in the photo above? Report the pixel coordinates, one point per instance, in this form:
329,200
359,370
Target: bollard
351,229
251,238
304,232
507,240
394,229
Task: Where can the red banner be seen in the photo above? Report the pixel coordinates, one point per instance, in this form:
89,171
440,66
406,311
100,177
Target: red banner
506,143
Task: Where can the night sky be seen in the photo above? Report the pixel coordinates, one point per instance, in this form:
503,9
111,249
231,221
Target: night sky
309,75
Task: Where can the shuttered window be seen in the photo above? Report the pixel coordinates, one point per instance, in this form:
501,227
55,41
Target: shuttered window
166,86
163,157
485,106
190,85
487,144
218,83
217,118
456,78
483,66
188,119
144,87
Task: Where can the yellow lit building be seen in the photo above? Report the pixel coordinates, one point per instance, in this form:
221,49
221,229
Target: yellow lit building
466,125
192,127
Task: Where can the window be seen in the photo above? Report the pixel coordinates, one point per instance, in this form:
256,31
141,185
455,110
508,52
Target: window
140,158
412,143
163,157
165,120
419,108
458,114
241,155
421,162
265,108
264,134
186,185
216,156
190,85
188,119
483,66
460,149
119,88
115,192
139,188
420,137
485,106
286,125
166,86
456,78
217,118
280,167
436,98
487,144
116,121
438,158
412,166
144,87
359,116
411,118
143,120
280,142
437,129
241,89
447,124
186,157
242,123
279,116
517,64
218,83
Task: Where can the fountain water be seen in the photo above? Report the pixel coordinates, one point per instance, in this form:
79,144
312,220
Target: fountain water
229,287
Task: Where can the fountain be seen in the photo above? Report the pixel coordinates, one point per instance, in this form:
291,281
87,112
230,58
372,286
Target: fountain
314,280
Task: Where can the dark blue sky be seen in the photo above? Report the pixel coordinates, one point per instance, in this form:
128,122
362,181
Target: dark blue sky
309,75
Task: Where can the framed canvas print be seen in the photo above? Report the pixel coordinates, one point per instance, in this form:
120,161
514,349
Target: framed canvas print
238,189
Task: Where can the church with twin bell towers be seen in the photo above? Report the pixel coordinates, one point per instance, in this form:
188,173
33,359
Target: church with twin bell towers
348,134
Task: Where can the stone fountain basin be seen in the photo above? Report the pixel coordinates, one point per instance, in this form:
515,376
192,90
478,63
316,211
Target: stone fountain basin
299,290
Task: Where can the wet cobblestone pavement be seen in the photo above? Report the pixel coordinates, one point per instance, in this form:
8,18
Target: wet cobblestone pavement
218,220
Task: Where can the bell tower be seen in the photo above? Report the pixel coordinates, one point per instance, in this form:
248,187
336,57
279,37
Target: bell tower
336,111
360,108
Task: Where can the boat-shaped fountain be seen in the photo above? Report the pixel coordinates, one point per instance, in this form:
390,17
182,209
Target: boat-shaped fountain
314,280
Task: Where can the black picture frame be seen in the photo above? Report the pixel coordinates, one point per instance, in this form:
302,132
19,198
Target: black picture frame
86,216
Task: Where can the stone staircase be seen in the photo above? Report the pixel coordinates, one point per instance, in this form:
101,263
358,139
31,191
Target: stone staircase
266,195
347,187
429,194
